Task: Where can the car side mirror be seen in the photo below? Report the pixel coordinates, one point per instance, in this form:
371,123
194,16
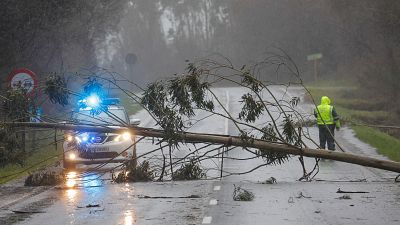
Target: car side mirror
134,121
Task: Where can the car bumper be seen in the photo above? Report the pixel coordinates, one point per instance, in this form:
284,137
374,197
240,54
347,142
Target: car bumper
113,152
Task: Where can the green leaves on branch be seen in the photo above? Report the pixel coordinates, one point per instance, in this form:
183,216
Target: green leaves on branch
250,81
289,131
56,89
251,109
133,173
187,89
269,133
170,101
189,171
17,105
273,158
155,99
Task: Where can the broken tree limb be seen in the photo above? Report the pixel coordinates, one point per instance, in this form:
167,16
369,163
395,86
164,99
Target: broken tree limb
188,137
349,192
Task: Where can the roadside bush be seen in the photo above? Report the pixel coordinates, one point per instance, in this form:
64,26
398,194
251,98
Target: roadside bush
140,173
189,171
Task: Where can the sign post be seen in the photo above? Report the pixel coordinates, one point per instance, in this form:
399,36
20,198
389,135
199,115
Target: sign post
315,57
24,79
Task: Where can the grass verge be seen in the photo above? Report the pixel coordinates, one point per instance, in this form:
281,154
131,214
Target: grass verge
386,144
130,105
38,159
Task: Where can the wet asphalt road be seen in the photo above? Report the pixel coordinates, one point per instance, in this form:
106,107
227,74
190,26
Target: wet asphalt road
210,201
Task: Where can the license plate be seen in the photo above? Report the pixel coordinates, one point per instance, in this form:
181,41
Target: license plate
99,149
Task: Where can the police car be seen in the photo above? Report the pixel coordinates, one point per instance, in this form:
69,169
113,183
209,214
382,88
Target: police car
99,148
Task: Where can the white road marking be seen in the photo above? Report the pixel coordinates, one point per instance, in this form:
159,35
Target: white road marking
213,202
217,188
207,220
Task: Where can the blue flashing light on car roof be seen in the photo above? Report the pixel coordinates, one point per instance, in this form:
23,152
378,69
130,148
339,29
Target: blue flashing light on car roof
93,101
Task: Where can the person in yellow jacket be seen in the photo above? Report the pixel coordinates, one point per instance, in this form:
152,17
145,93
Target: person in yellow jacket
327,120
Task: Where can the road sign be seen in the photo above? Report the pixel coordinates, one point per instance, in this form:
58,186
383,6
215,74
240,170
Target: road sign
314,56
23,78
36,117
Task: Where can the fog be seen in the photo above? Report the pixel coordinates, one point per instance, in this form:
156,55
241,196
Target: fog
358,40
163,34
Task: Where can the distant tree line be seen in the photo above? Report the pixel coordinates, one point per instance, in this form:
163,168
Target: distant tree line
54,35
359,40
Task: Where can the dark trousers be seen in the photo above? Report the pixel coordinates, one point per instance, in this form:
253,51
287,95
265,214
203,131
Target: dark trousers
325,137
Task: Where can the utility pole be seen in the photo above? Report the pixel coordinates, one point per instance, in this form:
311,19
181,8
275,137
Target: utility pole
130,60
315,58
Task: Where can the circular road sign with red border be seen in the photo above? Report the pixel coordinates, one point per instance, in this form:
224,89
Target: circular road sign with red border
23,78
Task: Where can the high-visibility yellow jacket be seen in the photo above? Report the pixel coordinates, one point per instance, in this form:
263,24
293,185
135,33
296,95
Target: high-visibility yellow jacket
325,113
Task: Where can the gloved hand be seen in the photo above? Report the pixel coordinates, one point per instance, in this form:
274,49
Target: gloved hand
337,125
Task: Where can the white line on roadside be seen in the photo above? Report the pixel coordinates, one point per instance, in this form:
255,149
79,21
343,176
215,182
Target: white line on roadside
207,220
213,202
217,188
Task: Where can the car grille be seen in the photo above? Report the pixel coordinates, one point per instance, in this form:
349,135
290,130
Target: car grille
98,139
98,155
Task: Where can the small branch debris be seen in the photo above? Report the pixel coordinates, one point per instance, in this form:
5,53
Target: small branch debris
89,206
302,196
43,178
240,194
26,212
271,180
346,181
163,197
345,197
349,192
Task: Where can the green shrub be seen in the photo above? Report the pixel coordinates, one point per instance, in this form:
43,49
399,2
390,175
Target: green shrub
140,173
189,171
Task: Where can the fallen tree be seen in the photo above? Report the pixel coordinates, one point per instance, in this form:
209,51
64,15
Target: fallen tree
266,125
188,137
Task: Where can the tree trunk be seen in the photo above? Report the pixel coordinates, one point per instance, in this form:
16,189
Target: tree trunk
187,137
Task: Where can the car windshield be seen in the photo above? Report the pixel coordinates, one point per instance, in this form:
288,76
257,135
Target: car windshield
111,117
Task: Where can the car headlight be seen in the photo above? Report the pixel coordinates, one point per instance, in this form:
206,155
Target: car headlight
125,136
69,138
72,156
117,138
